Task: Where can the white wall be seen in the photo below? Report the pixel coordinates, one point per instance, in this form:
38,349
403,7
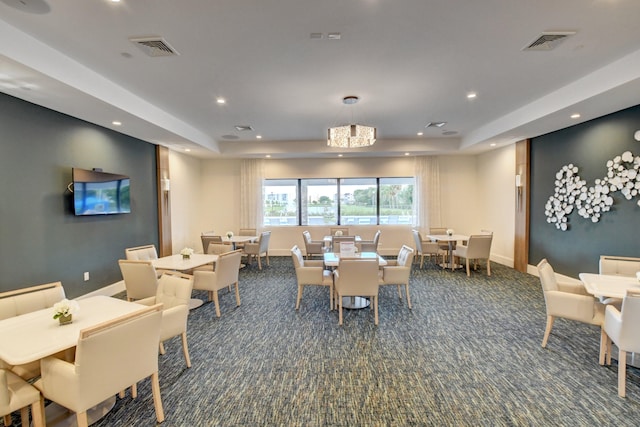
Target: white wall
211,199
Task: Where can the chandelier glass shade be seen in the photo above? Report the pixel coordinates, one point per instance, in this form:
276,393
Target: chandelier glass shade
351,136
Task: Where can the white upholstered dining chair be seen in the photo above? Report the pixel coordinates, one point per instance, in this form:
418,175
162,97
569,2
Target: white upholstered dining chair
310,273
621,327
174,293
258,249
370,245
109,357
478,247
425,247
357,277
398,271
225,275
17,394
312,247
567,300
140,278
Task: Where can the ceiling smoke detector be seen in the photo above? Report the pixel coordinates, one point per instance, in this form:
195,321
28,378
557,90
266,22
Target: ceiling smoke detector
548,40
154,46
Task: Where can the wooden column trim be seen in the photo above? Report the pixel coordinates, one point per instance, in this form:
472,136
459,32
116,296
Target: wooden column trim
521,235
164,201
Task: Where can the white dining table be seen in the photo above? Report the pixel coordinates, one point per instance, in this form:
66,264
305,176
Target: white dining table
36,335
179,263
450,239
608,286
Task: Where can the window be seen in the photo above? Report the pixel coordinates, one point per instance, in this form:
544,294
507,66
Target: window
319,201
331,201
280,202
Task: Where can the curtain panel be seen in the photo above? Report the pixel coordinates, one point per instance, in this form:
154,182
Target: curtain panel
251,203
427,192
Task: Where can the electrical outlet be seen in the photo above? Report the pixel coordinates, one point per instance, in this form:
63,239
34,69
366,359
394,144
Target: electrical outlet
86,276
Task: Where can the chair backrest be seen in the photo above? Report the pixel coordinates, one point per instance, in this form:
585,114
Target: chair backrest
247,232
218,248
228,267
140,278
336,240
417,240
483,231
405,256
479,246
115,354
307,237
264,241
547,276
358,276
438,230
376,237
174,289
141,253
619,266
296,256
630,316
344,230
25,300
208,239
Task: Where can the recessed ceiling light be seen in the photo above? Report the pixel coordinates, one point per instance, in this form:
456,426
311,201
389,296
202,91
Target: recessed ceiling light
406,154
471,95
339,155
268,156
187,149
221,100
115,1
258,136
116,123
493,144
420,133
575,116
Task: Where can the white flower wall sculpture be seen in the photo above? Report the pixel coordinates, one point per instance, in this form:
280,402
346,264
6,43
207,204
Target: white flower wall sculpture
623,175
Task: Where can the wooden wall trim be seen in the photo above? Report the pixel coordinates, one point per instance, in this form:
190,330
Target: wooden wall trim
521,235
164,201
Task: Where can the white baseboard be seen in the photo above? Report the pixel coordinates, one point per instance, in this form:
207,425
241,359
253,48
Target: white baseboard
109,290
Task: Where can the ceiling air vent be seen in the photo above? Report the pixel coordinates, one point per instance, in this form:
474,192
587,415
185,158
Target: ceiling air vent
243,128
154,46
548,40
435,124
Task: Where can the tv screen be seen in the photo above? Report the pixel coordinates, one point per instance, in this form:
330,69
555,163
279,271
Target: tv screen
100,193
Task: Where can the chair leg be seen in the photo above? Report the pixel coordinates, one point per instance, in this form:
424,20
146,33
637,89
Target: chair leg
299,296
488,267
468,271
162,351
237,295
134,390
82,419
408,297
331,299
24,415
185,349
547,331
259,262
375,309
37,413
267,256
603,346
216,302
7,420
421,260
340,313
399,292
157,399
622,372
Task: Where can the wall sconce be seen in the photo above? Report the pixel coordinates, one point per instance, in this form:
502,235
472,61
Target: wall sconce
518,190
165,185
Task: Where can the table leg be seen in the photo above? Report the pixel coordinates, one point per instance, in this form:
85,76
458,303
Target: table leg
355,303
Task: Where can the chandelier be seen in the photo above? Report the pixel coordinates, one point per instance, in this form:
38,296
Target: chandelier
351,136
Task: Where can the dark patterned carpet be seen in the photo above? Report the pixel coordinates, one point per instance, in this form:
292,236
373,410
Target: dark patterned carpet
468,354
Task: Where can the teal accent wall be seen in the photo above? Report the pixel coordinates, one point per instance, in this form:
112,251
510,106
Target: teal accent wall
588,146
41,240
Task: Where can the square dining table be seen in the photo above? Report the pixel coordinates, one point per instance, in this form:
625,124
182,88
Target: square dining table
608,286
332,259
450,239
179,263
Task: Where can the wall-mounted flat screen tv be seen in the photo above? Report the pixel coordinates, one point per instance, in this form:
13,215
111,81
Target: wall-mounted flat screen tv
100,193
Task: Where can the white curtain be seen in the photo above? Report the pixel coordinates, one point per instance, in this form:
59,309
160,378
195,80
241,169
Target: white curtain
251,177
427,192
